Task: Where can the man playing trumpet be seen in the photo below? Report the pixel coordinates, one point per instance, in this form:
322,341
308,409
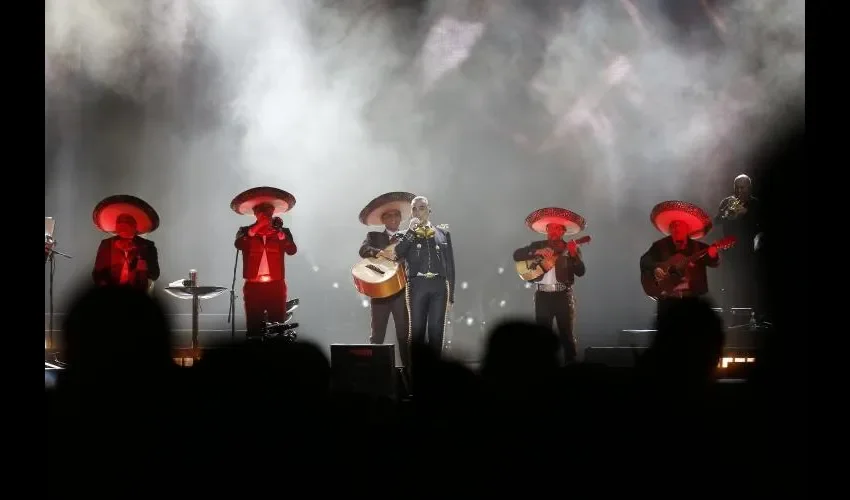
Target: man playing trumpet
738,216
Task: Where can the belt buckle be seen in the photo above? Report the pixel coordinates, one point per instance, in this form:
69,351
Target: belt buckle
430,275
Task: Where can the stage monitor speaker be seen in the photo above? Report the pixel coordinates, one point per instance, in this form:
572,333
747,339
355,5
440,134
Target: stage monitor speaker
367,369
735,362
618,357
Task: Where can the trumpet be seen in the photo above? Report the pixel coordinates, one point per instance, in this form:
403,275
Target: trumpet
734,206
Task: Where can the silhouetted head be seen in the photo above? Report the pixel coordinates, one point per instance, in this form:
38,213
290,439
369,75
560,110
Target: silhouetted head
520,351
689,339
116,327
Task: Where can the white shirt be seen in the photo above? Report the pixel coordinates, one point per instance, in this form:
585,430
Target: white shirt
549,278
264,262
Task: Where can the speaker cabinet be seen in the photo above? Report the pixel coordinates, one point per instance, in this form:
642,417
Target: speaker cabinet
619,357
366,369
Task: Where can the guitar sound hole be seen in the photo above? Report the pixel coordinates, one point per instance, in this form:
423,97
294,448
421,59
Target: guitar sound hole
375,268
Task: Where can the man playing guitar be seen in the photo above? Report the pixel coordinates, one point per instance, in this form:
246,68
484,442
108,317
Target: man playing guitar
388,209
682,223
553,298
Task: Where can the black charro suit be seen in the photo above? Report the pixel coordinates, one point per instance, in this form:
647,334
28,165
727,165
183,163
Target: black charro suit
558,305
142,261
394,305
430,268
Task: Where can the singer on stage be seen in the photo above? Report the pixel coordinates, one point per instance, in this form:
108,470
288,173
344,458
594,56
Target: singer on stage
430,268
264,244
126,259
388,209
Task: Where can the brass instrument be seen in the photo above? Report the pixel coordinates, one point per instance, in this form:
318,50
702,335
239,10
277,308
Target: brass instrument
732,208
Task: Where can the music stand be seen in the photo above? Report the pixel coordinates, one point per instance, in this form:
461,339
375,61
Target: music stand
49,227
188,289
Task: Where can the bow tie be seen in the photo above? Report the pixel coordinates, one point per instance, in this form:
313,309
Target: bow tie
425,231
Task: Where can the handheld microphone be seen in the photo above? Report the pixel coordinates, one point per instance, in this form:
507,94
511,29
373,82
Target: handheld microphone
277,223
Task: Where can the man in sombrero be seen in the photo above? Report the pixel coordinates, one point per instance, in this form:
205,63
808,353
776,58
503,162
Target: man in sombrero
553,296
388,209
682,223
264,244
126,258
430,266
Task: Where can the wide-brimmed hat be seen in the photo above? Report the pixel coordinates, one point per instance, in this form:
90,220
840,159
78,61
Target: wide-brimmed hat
540,218
106,213
666,212
245,201
375,209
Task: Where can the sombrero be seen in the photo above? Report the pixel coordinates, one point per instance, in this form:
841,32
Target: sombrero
245,201
106,213
697,220
397,200
539,219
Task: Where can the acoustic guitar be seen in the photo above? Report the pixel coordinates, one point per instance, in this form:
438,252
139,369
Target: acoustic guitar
676,268
531,269
377,277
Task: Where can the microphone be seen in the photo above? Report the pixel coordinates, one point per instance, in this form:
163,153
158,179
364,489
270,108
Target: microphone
415,222
277,223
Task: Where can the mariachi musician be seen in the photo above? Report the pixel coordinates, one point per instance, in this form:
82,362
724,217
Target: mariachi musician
388,210
430,268
682,223
264,244
738,216
126,258
553,296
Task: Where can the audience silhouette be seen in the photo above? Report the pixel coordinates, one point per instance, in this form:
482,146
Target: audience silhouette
126,418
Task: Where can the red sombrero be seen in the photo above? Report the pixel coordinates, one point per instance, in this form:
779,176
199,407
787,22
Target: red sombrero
106,213
539,219
397,200
245,201
697,220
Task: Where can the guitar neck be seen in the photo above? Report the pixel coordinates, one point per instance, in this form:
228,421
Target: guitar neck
562,245
695,257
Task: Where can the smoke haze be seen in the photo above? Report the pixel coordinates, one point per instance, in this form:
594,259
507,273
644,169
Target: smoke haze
490,109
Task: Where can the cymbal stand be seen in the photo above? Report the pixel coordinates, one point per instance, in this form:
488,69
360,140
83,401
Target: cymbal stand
231,314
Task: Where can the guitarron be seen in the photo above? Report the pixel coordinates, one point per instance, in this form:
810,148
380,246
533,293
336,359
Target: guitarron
531,269
676,267
377,277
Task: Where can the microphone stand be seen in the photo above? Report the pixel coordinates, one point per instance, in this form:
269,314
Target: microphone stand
231,314
52,259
